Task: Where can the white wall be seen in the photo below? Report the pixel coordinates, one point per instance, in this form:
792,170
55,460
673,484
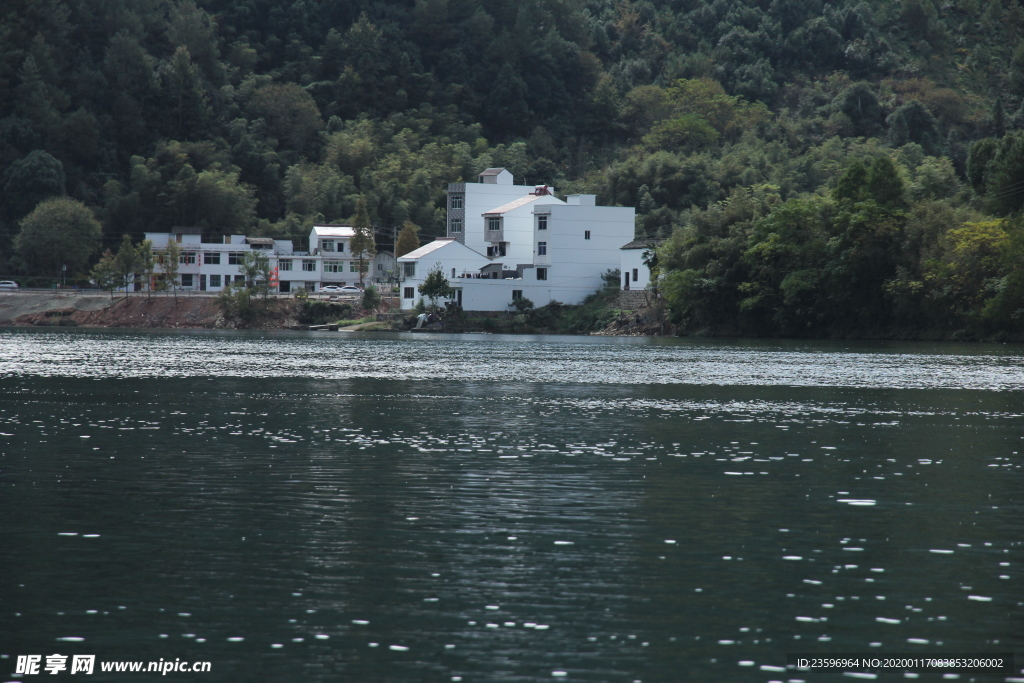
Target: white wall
576,261
633,261
453,256
478,198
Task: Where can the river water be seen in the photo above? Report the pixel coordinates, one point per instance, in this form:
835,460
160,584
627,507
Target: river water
384,507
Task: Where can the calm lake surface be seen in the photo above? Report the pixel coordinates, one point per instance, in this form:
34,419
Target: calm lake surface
383,507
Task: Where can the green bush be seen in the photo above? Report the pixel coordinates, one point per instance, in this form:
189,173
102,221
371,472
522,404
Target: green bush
322,312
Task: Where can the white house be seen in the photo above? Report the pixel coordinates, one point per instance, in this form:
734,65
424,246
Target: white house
384,267
635,273
508,229
209,266
544,249
456,261
467,203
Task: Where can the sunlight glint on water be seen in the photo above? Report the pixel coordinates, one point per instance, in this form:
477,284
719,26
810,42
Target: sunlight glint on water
505,508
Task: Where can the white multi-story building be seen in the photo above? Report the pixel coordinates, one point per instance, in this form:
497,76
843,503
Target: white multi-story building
210,266
533,245
468,202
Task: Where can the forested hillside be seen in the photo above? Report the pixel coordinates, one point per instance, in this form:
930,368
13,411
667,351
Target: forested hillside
816,168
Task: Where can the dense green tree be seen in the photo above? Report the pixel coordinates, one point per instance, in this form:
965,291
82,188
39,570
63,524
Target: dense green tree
408,239
290,113
884,183
188,104
1004,180
30,180
59,232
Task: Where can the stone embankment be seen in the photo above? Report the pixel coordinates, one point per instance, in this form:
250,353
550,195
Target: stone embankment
134,310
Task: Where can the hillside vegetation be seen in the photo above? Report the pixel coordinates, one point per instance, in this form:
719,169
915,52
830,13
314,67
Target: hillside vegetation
815,168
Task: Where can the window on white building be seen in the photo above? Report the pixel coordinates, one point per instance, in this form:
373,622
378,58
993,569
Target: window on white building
517,294
215,280
542,248
234,258
285,264
542,273
456,225
188,258
455,201
327,245
333,267
409,293
186,280
239,279
309,265
494,224
409,269
211,258
636,274
586,234
542,222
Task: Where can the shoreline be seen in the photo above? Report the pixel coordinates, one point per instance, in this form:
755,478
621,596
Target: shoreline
63,308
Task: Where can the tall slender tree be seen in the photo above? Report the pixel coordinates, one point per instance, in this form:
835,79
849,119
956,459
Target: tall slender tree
362,244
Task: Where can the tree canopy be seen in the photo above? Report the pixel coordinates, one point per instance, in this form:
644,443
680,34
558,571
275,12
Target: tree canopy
266,117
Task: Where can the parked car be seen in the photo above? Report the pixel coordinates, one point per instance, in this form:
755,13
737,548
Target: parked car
8,284
331,289
350,289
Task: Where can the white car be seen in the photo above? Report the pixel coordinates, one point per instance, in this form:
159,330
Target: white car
331,289
8,284
350,289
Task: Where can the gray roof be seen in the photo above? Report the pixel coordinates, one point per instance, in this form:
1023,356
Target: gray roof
492,171
640,244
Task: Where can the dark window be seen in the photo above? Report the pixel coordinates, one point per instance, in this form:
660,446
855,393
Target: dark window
409,269
542,248
409,293
586,234
215,280
636,275
211,259
186,280
494,224
234,258
542,273
542,222
517,294
456,201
